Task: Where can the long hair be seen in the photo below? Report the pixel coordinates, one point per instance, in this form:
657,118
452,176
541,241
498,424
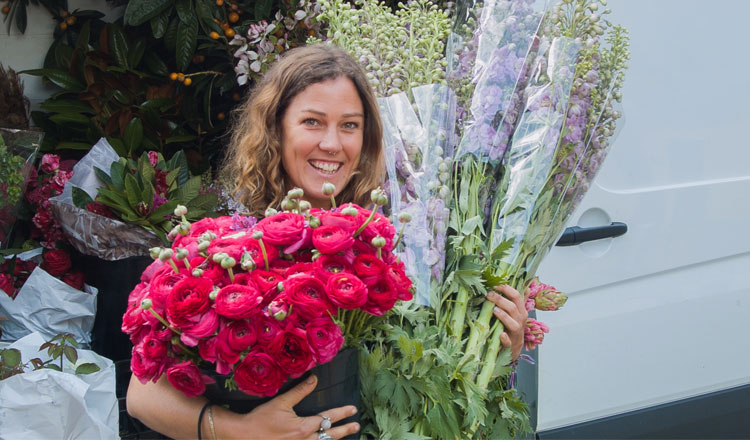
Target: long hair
252,166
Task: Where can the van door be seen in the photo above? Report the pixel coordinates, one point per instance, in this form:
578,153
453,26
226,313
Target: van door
658,318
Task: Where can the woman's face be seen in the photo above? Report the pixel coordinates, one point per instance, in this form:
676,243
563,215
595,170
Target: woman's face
321,137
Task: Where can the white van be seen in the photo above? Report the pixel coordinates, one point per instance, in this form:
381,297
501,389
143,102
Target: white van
654,341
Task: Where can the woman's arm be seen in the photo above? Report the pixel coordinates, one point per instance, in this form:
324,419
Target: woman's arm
164,409
510,309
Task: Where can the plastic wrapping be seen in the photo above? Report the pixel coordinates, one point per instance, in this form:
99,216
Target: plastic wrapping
90,233
52,404
419,145
49,306
25,144
531,156
488,54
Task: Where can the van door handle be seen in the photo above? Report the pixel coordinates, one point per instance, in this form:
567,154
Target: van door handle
576,235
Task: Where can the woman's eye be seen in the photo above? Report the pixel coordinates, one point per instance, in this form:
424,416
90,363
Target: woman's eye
351,125
311,122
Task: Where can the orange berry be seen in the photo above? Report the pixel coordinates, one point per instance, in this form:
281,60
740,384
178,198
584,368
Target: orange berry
64,14
215,35
188,81
224,26
71,20
236,96
63,25
221,116
6,9
310,32
180,77
234,17
229,32
234,6
219,2
173,76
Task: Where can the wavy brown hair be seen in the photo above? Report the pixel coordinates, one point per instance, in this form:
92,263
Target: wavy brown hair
252,167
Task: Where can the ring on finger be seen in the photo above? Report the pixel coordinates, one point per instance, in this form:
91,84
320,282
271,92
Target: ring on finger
323,436
324,424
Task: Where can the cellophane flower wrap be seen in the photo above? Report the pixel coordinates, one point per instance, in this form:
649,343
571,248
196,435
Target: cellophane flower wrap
507,131
261,301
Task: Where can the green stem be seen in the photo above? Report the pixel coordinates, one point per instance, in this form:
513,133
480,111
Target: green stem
231,274
265,255
400,235
481,328
369,219
174,266
490,357
333,202
164,321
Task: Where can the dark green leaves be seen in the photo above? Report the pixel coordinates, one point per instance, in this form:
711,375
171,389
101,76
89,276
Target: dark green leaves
140,11
133,134
59,78
187,40
87,368
81,198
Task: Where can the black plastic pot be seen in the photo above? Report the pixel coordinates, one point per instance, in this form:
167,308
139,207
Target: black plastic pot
338,385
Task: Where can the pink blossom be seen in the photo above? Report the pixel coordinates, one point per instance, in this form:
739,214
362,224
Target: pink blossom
534,333
50,163
153,158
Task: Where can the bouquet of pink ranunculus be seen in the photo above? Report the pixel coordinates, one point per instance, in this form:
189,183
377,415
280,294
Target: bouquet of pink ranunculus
262,301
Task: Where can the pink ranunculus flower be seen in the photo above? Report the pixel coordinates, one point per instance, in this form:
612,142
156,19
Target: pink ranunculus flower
292,351
325,338
534,333
50,163
259,375
347,291
236,301
187,377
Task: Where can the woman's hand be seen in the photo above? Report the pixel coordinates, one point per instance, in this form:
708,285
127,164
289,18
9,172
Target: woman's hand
276,419
510,309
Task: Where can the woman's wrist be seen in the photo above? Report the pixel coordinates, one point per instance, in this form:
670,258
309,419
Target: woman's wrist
227,425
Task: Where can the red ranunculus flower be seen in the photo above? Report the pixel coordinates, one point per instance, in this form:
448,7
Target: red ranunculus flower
259,375
154,347
188,378
332,239
347,222
268,329
400,281
188,299
56,262
238,302
347,291
256,254
381,297
367,265
327,265
74,279
325,338
266,282
234,339
381,226
307,295
162,284
6,284
282,229
292,351
144,367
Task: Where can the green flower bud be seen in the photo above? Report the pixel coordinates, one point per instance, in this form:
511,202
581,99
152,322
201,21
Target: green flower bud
304,205
218,257
382,200
257,235
146,303
154,252
165,254
378,241
203,245
404,217
270,211
213,294
350,210
280,286
295,193
197,273
228,262
314,222
180,210
182,253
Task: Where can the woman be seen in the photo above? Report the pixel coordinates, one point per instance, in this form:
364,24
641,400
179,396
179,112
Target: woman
312,119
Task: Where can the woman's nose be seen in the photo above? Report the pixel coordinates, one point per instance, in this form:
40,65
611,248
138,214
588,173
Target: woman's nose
331,142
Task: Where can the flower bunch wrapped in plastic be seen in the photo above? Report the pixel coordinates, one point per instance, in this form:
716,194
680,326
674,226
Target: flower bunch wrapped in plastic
262,301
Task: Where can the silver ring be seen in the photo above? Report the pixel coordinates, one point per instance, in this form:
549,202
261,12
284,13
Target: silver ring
323,436
324,424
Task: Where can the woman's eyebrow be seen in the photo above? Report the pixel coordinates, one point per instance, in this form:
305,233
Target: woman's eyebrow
345,115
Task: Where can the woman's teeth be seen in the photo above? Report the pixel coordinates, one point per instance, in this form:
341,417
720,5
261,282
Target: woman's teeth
326,167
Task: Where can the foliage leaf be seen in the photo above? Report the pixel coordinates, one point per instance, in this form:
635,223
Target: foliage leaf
133,135
71,354
132,190
184,10
118,46
159,24
187,39
11,357
81,198
59,78
140,11
189,190
87,368
66,106
136,53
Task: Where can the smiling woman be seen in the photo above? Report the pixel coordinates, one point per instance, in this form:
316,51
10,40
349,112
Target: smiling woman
312,119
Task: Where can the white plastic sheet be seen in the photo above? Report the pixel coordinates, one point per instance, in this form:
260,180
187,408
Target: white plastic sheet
49,306
48,404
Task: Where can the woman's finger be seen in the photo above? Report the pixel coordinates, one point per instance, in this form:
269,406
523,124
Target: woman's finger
296,394
502,302
313,423
513,295
339,432
510,323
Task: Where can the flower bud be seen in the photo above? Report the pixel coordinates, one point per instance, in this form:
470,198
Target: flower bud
280,286
203,245
304,205
287,205
350,210
218,257
404,217
314,222
257,235
154,252
182,253
378,241
197,272
146,303
165,254
374,194
213,294
184,228
270,212
329,188
295,193
382,200
180,210
228,262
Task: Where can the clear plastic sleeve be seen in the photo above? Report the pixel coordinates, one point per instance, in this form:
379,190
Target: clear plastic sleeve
25,144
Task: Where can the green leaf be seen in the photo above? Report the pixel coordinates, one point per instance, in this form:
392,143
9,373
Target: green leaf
160,104
87,368
133,135
148,194
136,53
263,9
154,64
59,78
161,213
121,97
140,11
170,38
118,45
189,190
66,106
69,118
117,174
82,42
159,24
81,198
11,357
73,146
187,40
71,354
179,161
132,191
184,10
470,225
146,171
101,175
117,145
53,367
205,201
205,16
177,139
63,55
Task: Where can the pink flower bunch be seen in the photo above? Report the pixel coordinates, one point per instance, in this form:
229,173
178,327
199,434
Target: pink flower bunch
543,297
41,186
257,300
534,333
